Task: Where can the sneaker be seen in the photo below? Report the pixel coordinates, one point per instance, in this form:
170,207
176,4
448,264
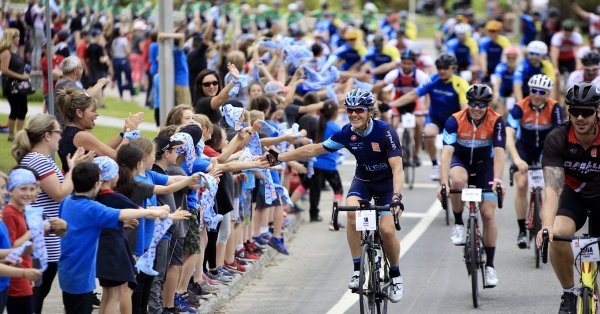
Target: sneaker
522,240
491,278
208,288
458,235
191,300
209,281
279,245
435,173
235,266
181,303
219,276
266,236
227,272
251,247
317,218
241,261
96,300
296,209
353,284
260,241
171,310
196,289
568,303
244,255
395,294
417,161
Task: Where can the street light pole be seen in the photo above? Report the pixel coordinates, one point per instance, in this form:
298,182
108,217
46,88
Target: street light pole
49,47
166,62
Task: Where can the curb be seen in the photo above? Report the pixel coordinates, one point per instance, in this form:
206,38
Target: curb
226,293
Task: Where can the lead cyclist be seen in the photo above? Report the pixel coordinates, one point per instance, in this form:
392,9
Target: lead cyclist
379,174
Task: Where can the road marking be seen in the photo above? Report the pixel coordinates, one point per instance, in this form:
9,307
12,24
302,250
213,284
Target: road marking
417,185
413,215
349,298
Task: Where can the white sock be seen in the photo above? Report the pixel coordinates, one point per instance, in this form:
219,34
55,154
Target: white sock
571,290
264,230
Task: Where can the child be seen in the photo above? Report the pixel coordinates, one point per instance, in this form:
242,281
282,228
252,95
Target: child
86,218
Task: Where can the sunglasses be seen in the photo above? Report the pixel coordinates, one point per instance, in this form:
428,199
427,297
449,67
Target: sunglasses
591,69
480,105
208,84
443,68
534,55
584,112
539,92
355,110
511,58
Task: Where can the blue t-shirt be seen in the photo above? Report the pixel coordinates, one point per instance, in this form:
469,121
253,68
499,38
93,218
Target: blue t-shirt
4,244
349,54
146,233
153,56
156,89
493,51
77,264
371,150
328,161
200,165
182,72
529,29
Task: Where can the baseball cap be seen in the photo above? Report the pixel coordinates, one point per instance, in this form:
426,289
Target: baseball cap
275,87
164,143
194,131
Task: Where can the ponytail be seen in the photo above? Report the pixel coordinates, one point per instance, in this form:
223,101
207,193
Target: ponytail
128,157
328,112
32,134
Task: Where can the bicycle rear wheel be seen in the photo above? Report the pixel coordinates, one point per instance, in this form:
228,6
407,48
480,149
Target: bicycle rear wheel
474,259
365,294
409,161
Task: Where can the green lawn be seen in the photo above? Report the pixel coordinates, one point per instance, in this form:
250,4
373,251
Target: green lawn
101,132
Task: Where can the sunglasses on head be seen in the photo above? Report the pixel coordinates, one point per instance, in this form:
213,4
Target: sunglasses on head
538,91
356,110
584,112
208,84
478,104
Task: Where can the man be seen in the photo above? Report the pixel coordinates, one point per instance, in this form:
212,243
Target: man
380,54
589,73
352,51
464,47
491,48
379,174
502,79
473,154
593,19
563,46
571,176
535,63
528,124
72,70
447,93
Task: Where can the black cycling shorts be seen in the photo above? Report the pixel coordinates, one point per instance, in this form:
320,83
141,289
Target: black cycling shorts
572,205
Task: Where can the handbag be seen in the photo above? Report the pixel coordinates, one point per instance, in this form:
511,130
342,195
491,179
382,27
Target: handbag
21,87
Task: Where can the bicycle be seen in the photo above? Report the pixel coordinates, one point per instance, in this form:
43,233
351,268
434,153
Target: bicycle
586,255
535,177
374,297
408,149
473,251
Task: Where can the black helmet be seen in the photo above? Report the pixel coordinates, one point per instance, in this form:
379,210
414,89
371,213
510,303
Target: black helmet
410,55
445,60
583,94
590,58
481,92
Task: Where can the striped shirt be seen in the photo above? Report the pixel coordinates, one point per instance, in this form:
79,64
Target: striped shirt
45,167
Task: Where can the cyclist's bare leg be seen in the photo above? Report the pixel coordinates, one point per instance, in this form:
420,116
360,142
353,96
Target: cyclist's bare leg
458,180
352,235
490,229
417,134
431,131
561,254
391,245
521,196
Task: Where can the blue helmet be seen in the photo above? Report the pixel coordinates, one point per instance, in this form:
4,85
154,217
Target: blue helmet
360,98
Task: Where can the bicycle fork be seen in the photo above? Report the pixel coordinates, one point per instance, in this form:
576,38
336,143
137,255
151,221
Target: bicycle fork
589,272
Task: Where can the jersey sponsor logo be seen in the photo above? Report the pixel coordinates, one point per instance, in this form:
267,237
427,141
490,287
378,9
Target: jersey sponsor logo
583,167
443,92
375,147
388,133
499,133
593,152
353,138
376,167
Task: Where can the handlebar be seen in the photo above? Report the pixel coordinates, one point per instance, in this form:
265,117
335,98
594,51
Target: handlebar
444,193
546,240
515,169
363,206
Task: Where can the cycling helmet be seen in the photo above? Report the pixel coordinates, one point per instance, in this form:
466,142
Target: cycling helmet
511,51
591,58
462,29
537,47
378,40
370,7
359,97
445,60
351,34
409,54
481,92
540,81
583,94
415,48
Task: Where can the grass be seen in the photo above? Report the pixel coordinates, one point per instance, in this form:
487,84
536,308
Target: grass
101,132
121,108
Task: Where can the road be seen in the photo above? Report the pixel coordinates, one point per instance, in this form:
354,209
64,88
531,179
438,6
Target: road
313,278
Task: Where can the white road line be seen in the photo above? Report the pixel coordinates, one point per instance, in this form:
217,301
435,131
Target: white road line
349,298
413,215
417,185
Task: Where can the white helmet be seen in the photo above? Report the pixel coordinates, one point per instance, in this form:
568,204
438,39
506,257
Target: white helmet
370,7
540,81
537,47
462,29
293,6
416,48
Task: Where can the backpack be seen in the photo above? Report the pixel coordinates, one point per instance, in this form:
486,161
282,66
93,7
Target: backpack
29,16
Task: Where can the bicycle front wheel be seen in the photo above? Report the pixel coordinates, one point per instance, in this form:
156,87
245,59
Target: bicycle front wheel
537,224
409,161
584,301
366,294
474,259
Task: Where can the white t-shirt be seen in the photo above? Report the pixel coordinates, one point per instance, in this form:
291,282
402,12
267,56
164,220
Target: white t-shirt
420,76
566,45
594,22
577,76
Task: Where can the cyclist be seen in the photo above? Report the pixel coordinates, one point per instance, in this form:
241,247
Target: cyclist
589,73
380,54
532,65
572,181
464,47
563,46
502,80
593,19
447,94
474,140
352,51
379,174
528,124
491,48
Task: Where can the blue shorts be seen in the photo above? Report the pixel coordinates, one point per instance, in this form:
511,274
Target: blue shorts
528,154
480,175
432,120
381,190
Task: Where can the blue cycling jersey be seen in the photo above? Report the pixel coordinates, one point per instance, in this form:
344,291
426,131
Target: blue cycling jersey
371,150
529,29
446,96
506,75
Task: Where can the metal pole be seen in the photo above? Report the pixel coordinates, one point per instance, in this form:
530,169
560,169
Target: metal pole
166,63
49,48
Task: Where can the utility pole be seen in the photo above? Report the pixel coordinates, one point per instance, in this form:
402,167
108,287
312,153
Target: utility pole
49,48
166,67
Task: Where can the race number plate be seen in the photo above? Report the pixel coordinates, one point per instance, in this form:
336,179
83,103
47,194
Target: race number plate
409,121
365,220
587,254
439,141
471,195
535,178
510,103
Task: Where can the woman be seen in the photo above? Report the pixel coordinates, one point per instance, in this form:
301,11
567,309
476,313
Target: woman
13,69
120,51
209,94
33,147
79,112
180,115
